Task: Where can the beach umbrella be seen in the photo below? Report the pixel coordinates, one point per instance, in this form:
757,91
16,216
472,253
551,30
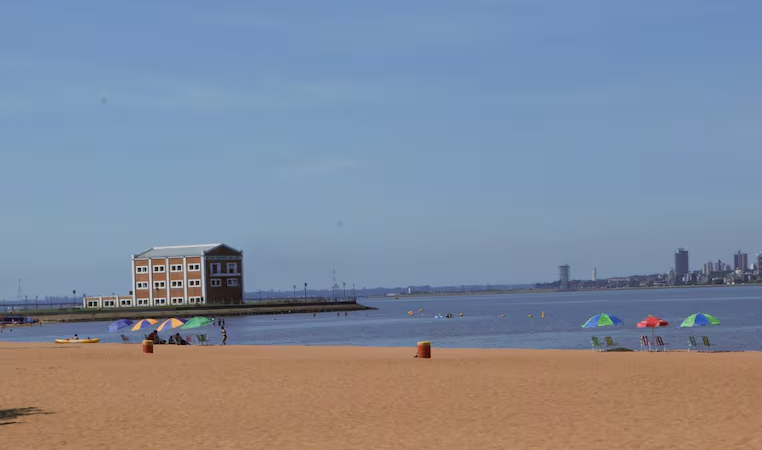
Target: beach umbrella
145,323
197,322
602,320
171,323
652,322
118,325
699,320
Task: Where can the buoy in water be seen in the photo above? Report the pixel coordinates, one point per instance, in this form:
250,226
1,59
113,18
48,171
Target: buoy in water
530,315
502,315
461,314
543,314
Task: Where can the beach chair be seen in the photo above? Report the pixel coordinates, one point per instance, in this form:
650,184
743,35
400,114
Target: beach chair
644,344
205,338
597,344
202,339
125,339
693,344
660,344
707,344
610,343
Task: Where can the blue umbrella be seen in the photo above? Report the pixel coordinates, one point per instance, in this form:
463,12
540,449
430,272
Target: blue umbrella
118,325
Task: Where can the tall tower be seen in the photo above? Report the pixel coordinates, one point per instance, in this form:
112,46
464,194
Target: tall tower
681,263
563,276
740,261
595,274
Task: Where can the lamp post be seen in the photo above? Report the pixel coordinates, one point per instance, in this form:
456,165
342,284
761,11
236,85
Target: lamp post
305,291
345,289
294,297
353,291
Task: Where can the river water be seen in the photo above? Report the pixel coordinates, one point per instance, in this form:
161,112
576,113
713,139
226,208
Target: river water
738,308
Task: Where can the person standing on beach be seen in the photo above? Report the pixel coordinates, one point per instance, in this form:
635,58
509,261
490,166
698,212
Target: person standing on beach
224,336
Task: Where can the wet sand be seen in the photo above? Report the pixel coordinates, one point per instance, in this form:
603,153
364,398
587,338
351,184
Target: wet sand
113,396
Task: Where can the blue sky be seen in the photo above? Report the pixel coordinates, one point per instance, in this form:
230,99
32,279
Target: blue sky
458,141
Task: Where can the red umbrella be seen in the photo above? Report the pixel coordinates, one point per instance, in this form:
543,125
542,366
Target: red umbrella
652,322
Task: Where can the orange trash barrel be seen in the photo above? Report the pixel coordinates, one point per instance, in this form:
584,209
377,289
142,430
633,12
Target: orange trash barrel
424,349
147,346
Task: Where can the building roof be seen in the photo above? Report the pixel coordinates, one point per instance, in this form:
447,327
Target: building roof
179,251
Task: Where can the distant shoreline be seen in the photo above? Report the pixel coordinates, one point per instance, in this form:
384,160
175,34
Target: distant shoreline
550,291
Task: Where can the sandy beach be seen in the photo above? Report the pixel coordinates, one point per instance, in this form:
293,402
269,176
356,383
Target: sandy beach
113,396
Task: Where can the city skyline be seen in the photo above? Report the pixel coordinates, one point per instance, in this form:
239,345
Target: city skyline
404,144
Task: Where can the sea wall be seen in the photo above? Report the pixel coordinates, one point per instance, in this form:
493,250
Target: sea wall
209,311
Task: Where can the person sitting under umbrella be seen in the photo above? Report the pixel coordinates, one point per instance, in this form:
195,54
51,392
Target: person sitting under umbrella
179,340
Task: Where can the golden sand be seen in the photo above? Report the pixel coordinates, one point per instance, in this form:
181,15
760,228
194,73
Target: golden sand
106,396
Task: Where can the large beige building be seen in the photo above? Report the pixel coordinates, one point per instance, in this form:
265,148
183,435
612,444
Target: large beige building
181,275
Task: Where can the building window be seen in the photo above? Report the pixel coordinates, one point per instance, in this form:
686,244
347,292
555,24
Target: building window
215,268
158,285
216,282
142,285
194,267
141,269
194,283
177,300
194,300
125,302
177,283
142,302
176,268
160,301
108,303
232,282
158,269
232,267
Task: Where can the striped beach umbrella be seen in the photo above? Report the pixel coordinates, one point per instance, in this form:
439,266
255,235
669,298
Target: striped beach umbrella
118,325
197,322
602,320
699,320
172,323
145,323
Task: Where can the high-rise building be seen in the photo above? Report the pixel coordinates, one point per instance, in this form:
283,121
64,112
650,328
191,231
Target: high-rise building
759,263
708,268
740,261
681,263
595,274
563,275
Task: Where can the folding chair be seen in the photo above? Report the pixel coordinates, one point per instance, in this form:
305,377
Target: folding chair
660,344
644,344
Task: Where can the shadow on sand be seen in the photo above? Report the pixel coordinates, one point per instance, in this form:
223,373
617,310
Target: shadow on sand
10,414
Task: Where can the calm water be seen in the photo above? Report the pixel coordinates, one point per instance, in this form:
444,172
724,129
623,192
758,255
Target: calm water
739,309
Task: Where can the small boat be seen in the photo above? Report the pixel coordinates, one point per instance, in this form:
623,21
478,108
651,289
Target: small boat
77,341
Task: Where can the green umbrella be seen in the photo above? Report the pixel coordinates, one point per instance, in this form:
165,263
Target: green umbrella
698,320
602,320
197,322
